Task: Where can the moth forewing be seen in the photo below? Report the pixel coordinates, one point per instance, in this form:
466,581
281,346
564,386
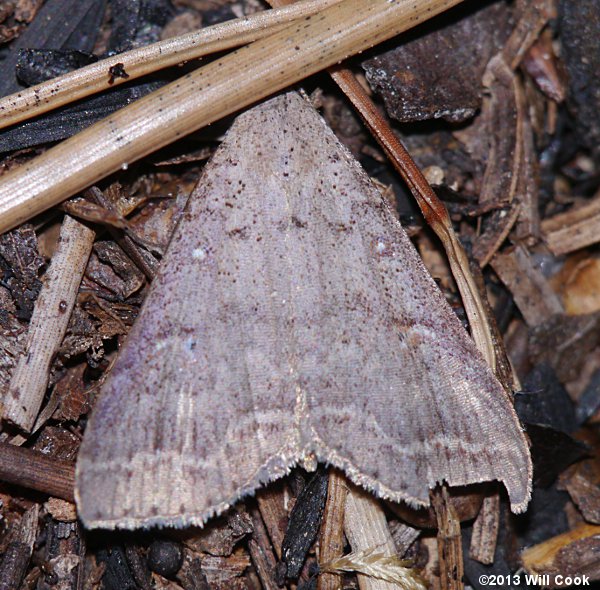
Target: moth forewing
291,318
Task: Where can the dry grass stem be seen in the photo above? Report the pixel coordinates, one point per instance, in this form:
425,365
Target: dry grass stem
48,324
141,61
206,95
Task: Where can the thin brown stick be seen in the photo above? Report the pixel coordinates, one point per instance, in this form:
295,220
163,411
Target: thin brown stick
531,291
448,540
500,223
141,258
41,98
331,536
36,471
262,553
48,324
271,504
573,229
206,95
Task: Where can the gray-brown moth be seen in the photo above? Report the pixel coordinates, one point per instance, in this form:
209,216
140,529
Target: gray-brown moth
292,320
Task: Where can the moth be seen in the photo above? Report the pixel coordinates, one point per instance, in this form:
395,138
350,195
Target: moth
292,321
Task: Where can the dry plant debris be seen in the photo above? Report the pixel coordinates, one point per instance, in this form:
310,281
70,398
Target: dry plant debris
498,104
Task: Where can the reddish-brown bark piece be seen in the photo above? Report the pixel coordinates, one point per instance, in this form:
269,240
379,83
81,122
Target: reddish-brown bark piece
291,319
